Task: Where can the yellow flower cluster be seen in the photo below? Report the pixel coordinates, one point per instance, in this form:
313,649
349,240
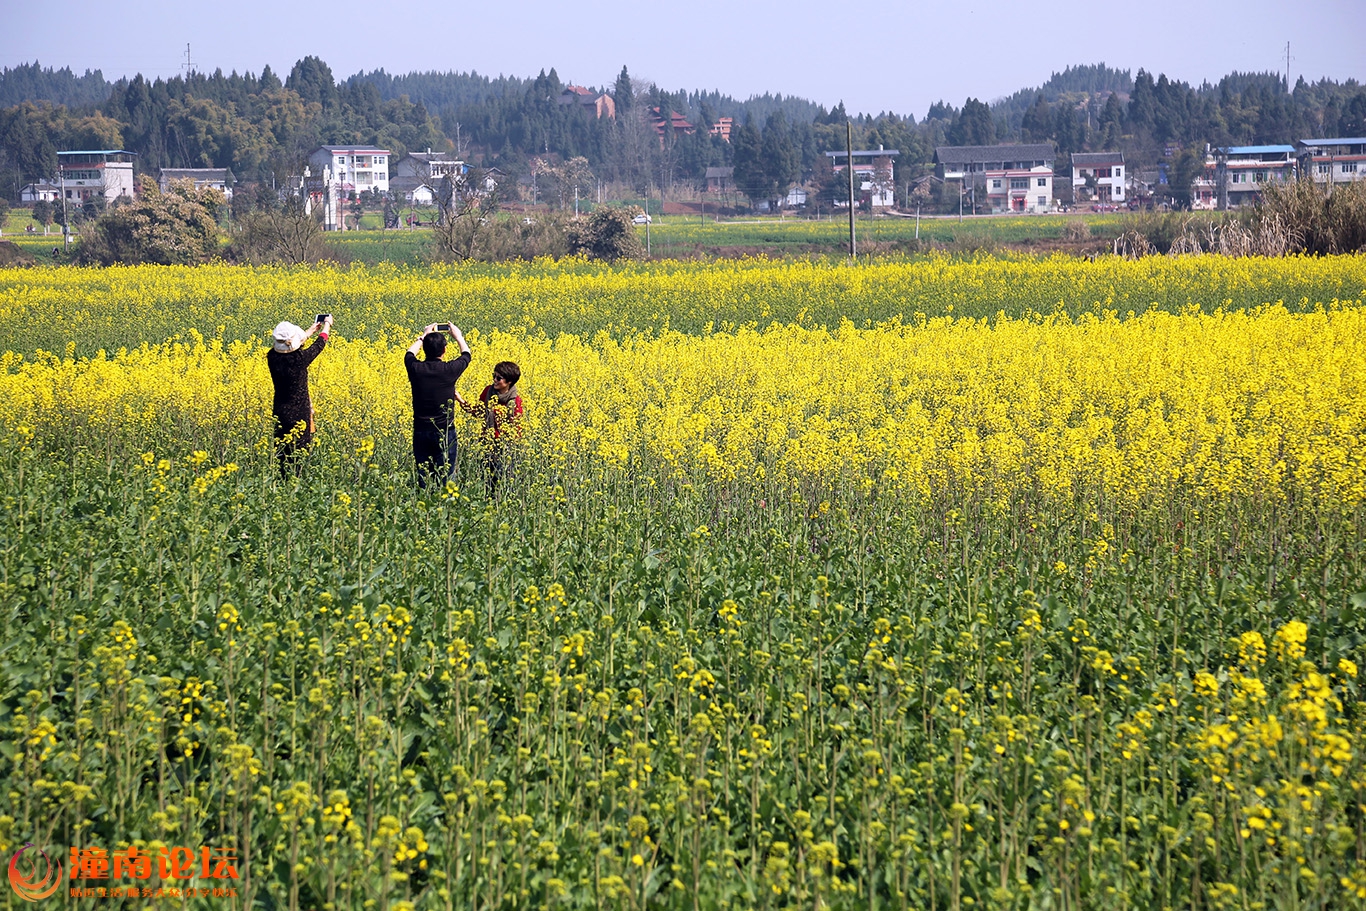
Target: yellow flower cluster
1251,404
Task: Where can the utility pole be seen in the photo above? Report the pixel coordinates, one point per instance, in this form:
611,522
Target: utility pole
849,164
66,230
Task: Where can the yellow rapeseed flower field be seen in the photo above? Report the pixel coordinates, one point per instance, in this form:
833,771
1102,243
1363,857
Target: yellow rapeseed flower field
1000,583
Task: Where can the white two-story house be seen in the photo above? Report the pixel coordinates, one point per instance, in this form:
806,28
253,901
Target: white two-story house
1099,176
873,172
1334,161
1016,178
87,175
358,168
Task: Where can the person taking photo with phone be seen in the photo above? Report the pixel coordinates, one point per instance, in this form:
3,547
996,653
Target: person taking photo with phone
433,383
288,361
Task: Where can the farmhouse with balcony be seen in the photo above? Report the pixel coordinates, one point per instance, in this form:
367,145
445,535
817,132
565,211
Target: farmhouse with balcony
358,168
873,171
86,175
1099,176
217,178
600,103
1241,172
1333,161
1017,178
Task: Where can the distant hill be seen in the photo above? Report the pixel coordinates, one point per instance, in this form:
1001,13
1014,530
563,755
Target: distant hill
32,82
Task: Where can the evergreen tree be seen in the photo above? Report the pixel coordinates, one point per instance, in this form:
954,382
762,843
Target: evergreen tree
1037,124
1068,130
974,126
312,80
622,93
1142,104
1352,121
781,160
751,177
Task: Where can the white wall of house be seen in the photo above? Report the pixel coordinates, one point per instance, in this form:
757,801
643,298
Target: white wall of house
1334,161
1021,191
81,182
865,175
39,192
1110,181
358,168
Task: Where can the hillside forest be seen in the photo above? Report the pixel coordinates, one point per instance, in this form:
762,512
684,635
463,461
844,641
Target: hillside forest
263,127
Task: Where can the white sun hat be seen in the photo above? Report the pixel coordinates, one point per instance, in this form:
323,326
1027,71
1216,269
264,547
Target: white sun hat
288,337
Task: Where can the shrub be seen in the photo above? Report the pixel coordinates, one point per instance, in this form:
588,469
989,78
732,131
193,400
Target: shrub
608,233
1313,220
178,227
283,235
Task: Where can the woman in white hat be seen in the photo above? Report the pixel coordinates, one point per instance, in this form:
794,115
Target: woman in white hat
288,361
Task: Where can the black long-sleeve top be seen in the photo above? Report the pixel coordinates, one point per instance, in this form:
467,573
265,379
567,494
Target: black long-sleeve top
433,385
289,373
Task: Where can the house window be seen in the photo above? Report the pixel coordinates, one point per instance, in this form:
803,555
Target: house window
1019,183
1043,181
1043,200
996,184
1238,177
1119,172
1117,190
1349,167
1261,177
1323,168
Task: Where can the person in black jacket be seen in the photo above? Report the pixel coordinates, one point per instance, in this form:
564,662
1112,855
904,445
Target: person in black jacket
293,409
433,382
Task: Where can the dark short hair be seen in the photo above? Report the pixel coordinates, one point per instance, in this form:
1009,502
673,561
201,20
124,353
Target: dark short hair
508,371
434,345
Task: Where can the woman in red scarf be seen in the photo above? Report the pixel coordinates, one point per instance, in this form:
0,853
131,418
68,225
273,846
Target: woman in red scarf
500,408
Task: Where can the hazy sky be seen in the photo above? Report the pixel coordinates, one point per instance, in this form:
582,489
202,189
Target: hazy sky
875,56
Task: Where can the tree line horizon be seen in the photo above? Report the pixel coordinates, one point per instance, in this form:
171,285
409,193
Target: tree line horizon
263,127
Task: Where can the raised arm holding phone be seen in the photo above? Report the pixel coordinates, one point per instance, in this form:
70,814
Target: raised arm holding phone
292,408
433,383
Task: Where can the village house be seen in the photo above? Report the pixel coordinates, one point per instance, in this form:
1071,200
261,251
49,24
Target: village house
1017,178
1098,176
873,172
86,175
1241,172
675,121
429,167
217,178
600,103
720,180
1333,161
412,190
353,168
42,191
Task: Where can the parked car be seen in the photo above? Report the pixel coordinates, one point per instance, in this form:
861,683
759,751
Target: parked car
641,219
